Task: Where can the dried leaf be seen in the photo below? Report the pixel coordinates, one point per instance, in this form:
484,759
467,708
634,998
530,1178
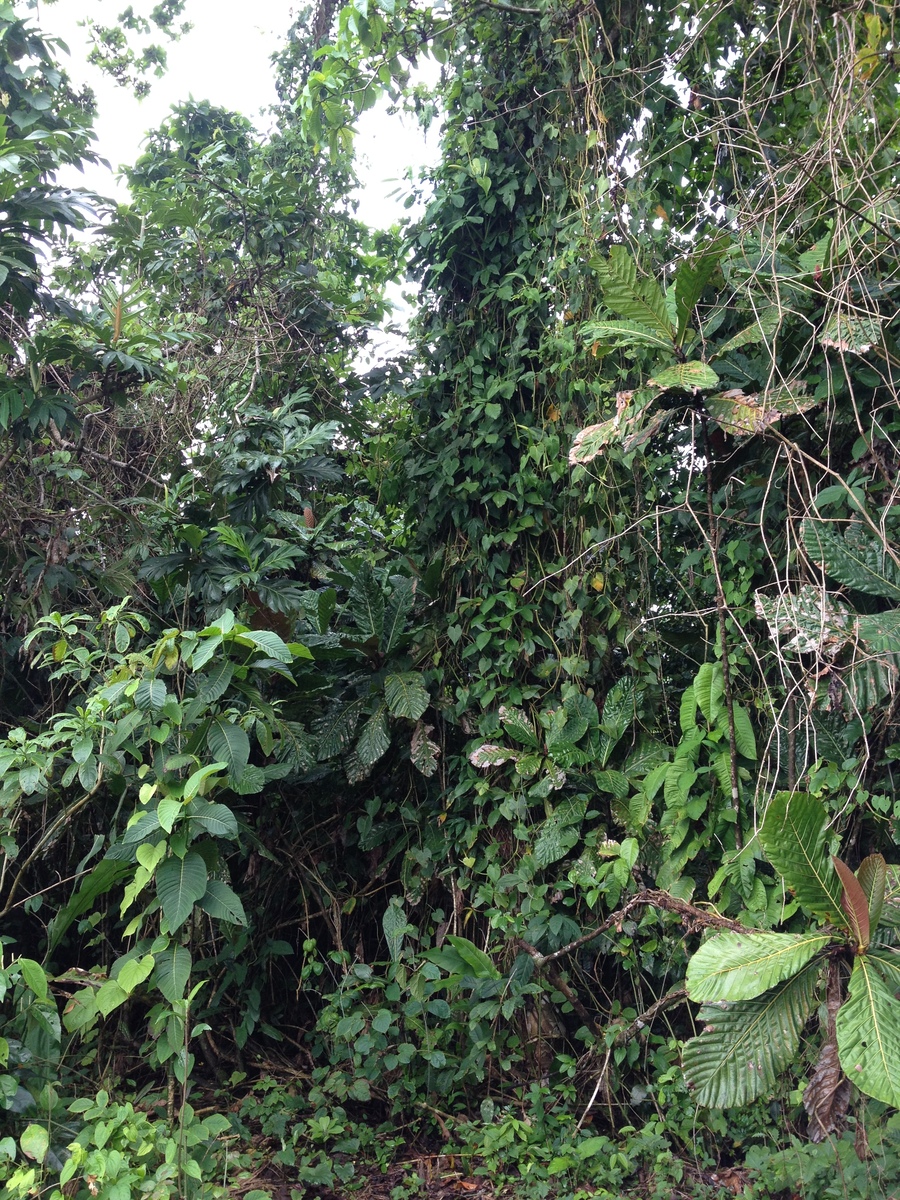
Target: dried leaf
743,415
827,1096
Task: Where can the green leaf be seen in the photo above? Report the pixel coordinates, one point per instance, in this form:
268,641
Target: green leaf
195,779
396,612
133,972
150,694
423,752
222,903
706,696
618,714
560,832
173,970
872,876
745,415
269,642
215,819
480,964
180,883
625,331
406,695
228,743
215,683
109,996
793,838
519,727
365,603
634,299
35,1142
691,277
336,728
762,328
685,376
746,1045
374,738
857,560
34,977
868,1029
741,966
394,924
744,738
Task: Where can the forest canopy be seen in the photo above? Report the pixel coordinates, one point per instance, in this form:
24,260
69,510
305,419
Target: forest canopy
474,771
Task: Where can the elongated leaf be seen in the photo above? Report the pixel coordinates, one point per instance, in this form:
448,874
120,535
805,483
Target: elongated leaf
591,440
396,612
868,1030
744,737
215,682
793,838
872,876
180,883
365,603
857,560
632,298
229,743
480,964
691,277
741,966
335,729
746,1045
406,695
215,819
374,738
685,376
423,752
610,332
708,696
745,415
618,714
855,905
394,923
762,328
488,755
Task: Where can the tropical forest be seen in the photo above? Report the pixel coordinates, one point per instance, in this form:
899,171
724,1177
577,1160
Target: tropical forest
450,747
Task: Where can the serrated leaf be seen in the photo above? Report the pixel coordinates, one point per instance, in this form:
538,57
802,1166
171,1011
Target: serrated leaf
741,966
406,695
686,376
850,333
868,1030
765,324
365,603
872,876
691,277
423,752
374,738
746,1045
180,883
519,727
173,970
221,903
857,560
793,838
632,298
229,743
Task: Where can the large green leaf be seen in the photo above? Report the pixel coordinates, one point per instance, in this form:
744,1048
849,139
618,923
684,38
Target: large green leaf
857,560
180,883
634,299
396,611
793,838
374,738
335,729
173,970
406,695
868,1028
686,376
365,603
746,1045
618,714
221,902
691,277
741,966
228,743
625,331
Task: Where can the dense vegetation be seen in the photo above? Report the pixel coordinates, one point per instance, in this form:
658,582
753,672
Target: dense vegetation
395,758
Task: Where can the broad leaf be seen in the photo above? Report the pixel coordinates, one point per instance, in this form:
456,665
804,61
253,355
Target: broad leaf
625,331
857,560
488,755
215,819
633,298
396,611
618,714
221,902
394,923
868,1030
180,883
173,970
591,440
406,695
685,376
746,1045
851,333
745,415
793,838
744,737
741,966
519,727
691,277
336,728
228,743
423,752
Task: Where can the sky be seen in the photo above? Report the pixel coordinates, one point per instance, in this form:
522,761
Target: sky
224,59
